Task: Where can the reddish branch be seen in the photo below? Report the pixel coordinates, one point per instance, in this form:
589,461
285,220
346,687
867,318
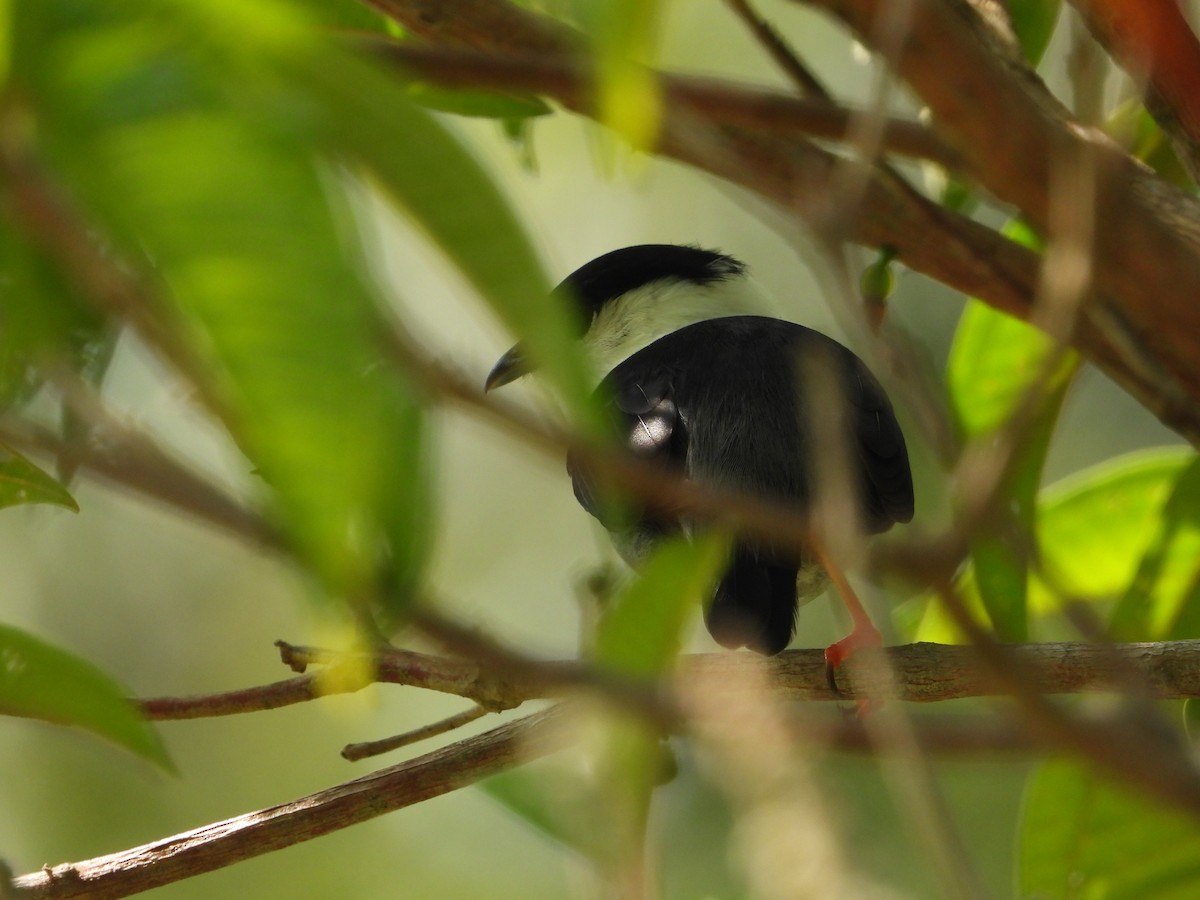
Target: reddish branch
1153,40
1017,140
717,101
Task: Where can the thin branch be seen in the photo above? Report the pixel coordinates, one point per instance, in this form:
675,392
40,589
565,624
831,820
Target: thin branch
718,101
243,837
228,703
131,459
779,51
1004,104
1012,134
367,749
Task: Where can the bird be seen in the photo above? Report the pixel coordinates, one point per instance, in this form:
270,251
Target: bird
701,378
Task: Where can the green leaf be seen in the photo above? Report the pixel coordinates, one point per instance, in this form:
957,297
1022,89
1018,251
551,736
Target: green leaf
42,320
40,681
553,801
1033,22
1099,525
476,104
1094,531
623,36
878,280
640,633
1085,837
244,229
1160,601
357,111
23,482
1132,125
995,363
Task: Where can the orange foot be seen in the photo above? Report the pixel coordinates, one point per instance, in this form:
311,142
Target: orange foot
863,635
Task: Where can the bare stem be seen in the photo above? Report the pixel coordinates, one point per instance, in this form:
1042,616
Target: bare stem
366,749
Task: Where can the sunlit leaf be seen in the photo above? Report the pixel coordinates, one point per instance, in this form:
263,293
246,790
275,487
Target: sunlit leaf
1160,598
1033,22
997,363
40,681
1095,528
23,482
1083,837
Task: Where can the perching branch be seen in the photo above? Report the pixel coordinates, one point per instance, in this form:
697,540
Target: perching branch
919,673
923,672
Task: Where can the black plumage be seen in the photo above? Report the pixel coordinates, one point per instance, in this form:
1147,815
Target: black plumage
708,401
725,398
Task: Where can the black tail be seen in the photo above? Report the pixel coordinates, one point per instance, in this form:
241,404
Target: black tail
754,605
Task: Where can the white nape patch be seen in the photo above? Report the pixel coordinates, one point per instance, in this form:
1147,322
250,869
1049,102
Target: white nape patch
640,317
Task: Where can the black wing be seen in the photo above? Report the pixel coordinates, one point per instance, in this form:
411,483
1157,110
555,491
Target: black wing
640,401
722,402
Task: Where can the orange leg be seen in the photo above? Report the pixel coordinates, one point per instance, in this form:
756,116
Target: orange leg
863,633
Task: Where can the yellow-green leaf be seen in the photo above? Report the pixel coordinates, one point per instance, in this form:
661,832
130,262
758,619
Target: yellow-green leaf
40,681
23,482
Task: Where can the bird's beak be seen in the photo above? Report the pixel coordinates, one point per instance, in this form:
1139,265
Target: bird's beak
512,365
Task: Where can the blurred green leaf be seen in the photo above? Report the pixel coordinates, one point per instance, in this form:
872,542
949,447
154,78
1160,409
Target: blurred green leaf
1084,837
553,801
640,633
476,104
40,681
23,482
42,321
995,363
623,35
958,195
224,199
357,111
1132,125
878,280
1033,22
